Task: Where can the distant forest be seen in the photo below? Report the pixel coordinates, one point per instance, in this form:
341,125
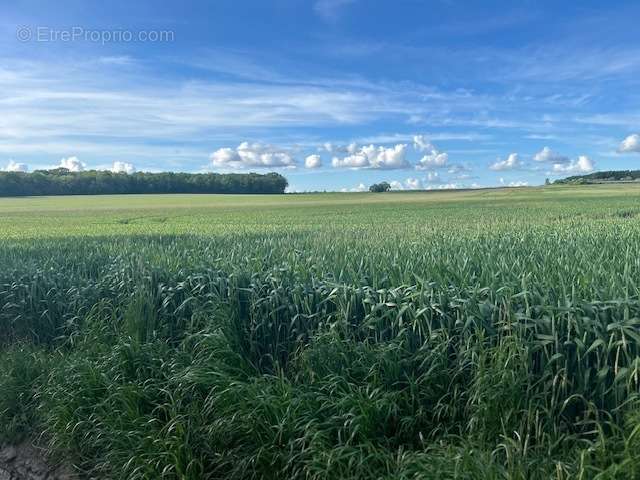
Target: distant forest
600,177
61,181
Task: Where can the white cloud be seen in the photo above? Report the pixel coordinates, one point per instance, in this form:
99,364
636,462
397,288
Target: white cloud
408,184
123,167
445,186
422,139
313,161
463,176
42,105
630,144
373,157
360,188
433,158
433,177
72,164
334,149
352,161
412,184
549,156
225,156
519,183
582,165
512,162
256,155
16,167
129,115
47,111
421,143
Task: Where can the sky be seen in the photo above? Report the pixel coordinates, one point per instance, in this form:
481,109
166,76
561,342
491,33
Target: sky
333,94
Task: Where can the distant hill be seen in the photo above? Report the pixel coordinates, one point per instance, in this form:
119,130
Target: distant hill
602,177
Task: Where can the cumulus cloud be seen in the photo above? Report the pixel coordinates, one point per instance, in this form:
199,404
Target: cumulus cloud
582,165
360,188
432,181
510,163
408,184
72,164
16,167
412,183
335,149
313,161
433,158
252,155
549,156
421,143
373,157
123,167
630,144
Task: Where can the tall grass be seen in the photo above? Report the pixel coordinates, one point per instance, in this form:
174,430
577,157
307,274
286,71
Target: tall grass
459,347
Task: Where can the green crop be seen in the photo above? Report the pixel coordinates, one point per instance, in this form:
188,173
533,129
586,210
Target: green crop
472,335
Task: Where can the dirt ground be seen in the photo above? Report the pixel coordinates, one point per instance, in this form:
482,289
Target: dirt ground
27,462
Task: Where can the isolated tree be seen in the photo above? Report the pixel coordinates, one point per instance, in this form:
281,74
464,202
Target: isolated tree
380,187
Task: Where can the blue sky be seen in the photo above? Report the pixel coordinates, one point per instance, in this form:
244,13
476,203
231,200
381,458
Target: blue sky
335,94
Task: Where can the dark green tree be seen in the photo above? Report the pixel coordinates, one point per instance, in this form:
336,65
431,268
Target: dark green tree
61,181
380,187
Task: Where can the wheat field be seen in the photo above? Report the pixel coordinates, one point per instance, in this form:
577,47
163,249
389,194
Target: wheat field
489,334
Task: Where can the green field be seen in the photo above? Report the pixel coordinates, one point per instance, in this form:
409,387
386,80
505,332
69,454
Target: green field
29,217
485,334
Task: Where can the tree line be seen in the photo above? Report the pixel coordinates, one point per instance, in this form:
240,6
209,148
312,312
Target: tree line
606,176
61,181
